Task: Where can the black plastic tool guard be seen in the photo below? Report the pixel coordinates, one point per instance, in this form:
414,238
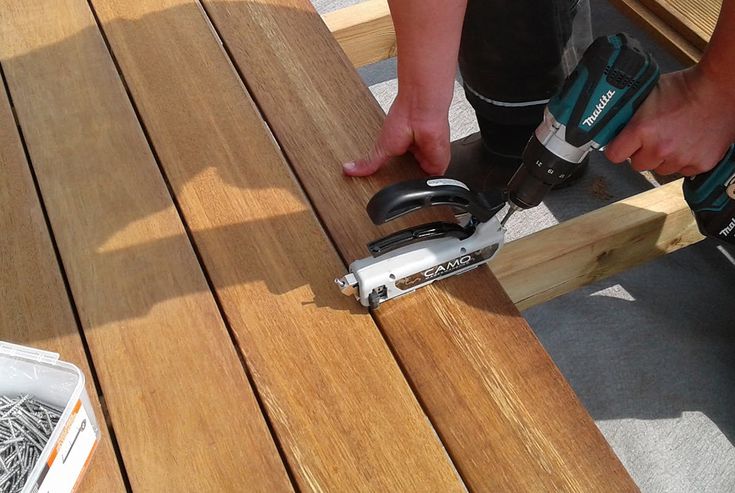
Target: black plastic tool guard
406,197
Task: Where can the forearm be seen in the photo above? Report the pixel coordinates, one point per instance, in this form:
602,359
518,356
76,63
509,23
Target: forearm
718,61
428,34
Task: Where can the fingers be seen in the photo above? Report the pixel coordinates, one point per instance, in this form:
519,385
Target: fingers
624,145
645,159
699,168
690,171
434,156
389,145
369,165
655,157
666,168
429,144
637,145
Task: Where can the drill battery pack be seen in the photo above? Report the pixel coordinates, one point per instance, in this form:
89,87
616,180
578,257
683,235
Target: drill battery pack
711,196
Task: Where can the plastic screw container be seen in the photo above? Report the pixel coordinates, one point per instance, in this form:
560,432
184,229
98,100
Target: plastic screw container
65,457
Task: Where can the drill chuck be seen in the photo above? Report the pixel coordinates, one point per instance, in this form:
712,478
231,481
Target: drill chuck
613,78
547,161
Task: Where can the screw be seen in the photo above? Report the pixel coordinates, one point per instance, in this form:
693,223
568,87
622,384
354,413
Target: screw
26,426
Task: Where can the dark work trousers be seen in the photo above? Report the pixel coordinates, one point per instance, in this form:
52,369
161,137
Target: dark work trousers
514,56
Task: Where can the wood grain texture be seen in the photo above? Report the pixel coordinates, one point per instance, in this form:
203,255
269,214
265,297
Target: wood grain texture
184,414
695,20
364,31
345,416
679,46
35,306
596,245
508,418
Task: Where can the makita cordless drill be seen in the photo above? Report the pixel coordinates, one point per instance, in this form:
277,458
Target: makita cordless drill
613,78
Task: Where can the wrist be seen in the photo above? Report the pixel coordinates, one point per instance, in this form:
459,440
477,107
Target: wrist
714,81
714,99
425,101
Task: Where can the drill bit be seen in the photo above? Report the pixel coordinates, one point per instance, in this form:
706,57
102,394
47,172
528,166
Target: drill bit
511,210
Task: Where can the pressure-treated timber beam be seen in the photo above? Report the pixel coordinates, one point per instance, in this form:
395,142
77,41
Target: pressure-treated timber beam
364,31
695,20
596,245
677,44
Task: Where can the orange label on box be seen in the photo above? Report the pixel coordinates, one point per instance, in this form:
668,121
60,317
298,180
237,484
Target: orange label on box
69,457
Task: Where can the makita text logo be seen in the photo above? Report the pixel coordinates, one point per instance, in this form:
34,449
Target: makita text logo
729,229
447,267
598,109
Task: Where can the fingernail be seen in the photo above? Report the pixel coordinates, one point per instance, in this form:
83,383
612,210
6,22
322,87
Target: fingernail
351,166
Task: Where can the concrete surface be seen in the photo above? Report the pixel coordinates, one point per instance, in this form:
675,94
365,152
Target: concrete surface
651,352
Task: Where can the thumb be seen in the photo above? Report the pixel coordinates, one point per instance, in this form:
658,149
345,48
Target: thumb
434,158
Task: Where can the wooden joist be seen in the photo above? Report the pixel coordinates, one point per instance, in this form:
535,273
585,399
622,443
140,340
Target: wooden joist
366,34
555,261
365,31
694,20
677,43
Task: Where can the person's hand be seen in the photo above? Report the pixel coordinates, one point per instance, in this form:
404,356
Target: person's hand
685,126
422,131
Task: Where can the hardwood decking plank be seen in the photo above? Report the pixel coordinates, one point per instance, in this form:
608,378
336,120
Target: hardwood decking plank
344,414
507,416
184,413
36,311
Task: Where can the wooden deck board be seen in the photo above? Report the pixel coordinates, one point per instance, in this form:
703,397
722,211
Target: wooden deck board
507,416
35,306
345,416
184,414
